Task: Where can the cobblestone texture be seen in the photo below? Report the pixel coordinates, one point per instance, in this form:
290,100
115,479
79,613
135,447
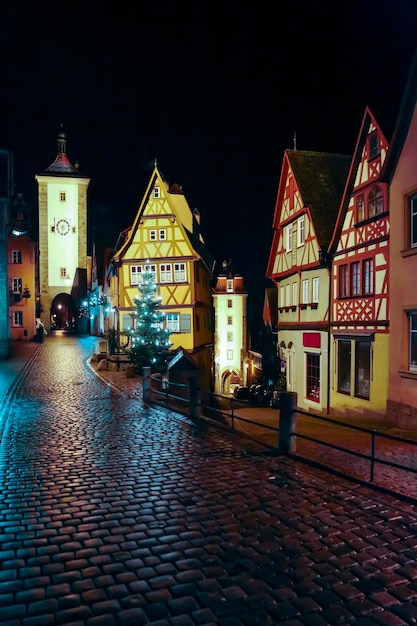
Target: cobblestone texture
117,513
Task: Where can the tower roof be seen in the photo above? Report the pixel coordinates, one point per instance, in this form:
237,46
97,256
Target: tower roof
62,165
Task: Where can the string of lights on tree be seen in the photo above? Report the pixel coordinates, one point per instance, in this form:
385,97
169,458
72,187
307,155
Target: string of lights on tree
149,338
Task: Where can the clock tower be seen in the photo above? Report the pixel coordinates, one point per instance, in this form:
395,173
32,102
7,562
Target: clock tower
62,201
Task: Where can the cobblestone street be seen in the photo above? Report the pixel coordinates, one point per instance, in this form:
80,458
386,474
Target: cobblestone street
117,513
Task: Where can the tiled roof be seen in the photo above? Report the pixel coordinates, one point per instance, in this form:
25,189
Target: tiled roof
321,179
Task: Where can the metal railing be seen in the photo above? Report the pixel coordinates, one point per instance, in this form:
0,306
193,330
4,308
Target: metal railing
371,457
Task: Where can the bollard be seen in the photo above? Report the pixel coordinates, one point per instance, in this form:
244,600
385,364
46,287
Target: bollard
287,418
195,397
146,384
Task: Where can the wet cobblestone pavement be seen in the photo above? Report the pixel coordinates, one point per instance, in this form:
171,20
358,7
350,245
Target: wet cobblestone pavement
116,513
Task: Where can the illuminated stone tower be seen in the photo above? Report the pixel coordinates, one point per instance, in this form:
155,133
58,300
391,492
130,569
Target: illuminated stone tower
230,343
62,201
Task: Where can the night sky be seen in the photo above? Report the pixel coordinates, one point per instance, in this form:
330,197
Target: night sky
214,91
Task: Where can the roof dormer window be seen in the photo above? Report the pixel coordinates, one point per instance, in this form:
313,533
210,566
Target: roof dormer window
156,192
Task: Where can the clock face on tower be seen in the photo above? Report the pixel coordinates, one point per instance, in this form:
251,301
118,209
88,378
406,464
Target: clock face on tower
62,227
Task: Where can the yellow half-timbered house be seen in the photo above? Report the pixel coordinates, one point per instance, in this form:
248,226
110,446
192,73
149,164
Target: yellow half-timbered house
165,237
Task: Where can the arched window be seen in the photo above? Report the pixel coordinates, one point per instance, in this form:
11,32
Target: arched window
375,201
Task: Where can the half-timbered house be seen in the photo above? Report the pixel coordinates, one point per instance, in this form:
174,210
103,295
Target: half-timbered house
165,238
359,284
309,195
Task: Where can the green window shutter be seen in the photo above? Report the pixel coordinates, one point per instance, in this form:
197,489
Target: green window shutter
185,323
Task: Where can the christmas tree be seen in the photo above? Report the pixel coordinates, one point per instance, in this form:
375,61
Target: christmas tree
149,339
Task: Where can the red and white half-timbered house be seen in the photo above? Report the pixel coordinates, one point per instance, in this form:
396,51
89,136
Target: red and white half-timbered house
309,194
359,346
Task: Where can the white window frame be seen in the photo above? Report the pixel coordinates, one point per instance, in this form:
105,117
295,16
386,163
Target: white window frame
316,290
180,273
281,297
156,192
162,234
152,234
150,267
306,291
229,285
230,355
17,285
287,295
136,275
295,294
172,322
288,238
17,319
301,231
165,273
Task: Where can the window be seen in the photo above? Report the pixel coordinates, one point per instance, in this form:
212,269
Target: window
230,355
281,297
185,323
165,273
343,281
16,256
413,221
229,337
17,285
316,290
288,238
162,234
412,357
180,275
360,208
375,201
354,355
135,274
313,377
306,291
373,145
294,294
156,192
287,295
229,284
343,366
368,277
62,196
362,369
229,304
301,231
63,272
152,269
229,320
172,321
152,235
17,318
355,279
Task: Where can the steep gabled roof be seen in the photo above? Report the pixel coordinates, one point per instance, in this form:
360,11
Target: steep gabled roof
321,179
189,220
367,119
